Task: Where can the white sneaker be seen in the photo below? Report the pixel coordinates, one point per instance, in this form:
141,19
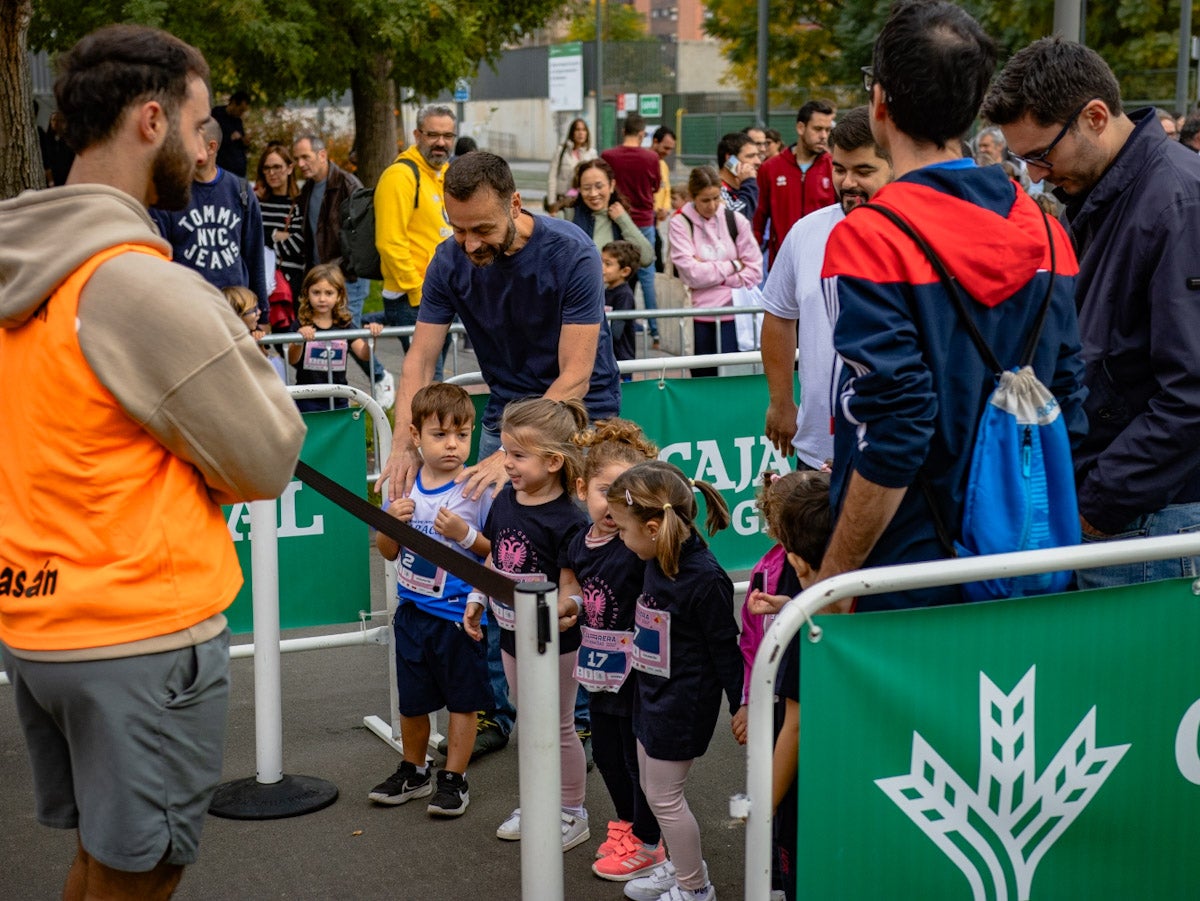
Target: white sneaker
510,829
574,831
385,391
678,893
652,887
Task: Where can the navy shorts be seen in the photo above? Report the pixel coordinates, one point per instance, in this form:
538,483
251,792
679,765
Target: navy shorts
438,665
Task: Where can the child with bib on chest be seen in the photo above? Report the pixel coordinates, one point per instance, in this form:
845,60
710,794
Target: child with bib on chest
686,654
532,521
607,578
437,665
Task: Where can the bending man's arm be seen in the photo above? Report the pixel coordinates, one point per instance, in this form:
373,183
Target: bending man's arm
400,468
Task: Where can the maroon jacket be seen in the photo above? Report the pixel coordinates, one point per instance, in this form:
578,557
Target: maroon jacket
785,194
638,177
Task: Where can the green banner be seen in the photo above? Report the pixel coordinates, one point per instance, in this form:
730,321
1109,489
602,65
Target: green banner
712,429
324,556
1039,748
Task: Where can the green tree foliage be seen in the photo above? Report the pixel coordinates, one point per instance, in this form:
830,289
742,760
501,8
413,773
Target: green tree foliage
621,22
824,42
291,49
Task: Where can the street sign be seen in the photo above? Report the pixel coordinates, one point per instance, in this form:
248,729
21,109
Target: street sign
462,90
650,105
566,77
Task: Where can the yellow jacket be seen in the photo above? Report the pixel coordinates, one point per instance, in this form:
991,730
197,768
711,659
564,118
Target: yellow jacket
662,197
406,237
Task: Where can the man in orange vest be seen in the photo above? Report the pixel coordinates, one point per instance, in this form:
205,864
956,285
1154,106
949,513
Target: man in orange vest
133,402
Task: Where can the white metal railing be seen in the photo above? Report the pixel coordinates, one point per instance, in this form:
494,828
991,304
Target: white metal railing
755,805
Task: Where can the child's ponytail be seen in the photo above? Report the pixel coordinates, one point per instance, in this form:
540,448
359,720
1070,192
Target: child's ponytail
659,491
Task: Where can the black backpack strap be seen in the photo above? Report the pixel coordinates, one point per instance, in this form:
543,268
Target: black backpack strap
731,224
417,175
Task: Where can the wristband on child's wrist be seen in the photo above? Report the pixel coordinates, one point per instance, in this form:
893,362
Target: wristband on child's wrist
468,542
476,597
578,603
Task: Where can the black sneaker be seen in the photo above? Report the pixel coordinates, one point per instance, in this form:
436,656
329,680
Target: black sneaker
451,798
403,785
488,737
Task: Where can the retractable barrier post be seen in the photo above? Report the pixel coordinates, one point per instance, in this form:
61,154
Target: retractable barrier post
539,769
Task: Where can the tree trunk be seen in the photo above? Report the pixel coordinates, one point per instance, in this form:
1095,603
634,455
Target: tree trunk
374,117
20,155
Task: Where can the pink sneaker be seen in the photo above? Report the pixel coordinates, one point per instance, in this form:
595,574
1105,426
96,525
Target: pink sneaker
617,831
630,862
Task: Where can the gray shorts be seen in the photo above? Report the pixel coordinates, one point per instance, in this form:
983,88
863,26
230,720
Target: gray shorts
127,750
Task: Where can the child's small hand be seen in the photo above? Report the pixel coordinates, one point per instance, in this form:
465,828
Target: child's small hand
568,612
472,617
403,508
307,332
761,604
374,328
738,725
450,524
257,334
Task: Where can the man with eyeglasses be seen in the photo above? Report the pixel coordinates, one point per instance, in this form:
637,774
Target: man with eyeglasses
326,186
410,217
1133,209
912,385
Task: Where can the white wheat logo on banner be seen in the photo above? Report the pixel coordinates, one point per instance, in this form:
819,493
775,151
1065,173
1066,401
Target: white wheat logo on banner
998,835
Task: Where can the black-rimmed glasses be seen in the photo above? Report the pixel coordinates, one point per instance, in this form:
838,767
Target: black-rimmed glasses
1040,159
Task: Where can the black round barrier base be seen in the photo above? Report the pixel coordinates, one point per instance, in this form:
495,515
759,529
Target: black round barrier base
249,799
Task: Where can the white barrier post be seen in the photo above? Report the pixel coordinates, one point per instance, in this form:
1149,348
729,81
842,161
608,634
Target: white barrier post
538,764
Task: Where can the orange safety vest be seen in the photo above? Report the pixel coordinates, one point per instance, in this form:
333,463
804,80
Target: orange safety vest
106,537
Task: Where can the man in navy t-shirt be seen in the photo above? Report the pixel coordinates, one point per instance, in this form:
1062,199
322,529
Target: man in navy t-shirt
530,293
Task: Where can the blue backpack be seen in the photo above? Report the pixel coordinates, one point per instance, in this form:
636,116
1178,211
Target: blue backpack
1020,493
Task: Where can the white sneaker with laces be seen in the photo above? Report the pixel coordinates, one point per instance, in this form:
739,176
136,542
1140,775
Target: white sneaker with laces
510,829
385,391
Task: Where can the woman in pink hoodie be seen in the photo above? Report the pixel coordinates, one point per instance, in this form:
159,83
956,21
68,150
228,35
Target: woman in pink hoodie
713,251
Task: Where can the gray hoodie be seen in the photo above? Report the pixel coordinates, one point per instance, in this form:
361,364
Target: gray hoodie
163,341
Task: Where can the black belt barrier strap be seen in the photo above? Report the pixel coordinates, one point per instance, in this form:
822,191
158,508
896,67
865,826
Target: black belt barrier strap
475,574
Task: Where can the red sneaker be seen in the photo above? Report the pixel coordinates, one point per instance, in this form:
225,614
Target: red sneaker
617,831
632,861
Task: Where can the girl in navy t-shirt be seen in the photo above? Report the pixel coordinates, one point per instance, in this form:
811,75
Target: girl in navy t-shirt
530,524
607,578
685,651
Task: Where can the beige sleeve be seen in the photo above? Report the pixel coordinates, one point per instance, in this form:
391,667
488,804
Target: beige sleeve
183,365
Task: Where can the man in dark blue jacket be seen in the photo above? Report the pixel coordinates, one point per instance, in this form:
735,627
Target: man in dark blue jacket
1133,208
913,385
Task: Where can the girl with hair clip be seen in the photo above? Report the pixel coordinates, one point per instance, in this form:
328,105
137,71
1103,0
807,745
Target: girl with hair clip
607,578
531,522
686,653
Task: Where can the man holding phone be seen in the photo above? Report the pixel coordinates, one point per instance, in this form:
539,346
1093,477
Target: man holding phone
738,161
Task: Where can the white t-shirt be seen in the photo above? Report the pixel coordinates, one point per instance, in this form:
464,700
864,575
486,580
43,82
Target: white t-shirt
793,291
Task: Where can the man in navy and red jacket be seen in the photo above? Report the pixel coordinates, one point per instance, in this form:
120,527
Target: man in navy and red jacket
912,384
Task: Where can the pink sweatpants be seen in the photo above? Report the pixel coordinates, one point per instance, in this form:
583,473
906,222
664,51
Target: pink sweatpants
573,763
662,783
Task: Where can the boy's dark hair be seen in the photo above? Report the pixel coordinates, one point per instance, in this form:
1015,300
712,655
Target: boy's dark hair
479,169
1049,80
635,124
731,145
625,253
853,130
796,507
443,403
933,63
1191,128
465,145
662,132
239,97
805,113
116,66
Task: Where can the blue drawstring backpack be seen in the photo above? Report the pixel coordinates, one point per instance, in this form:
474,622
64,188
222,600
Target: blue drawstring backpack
1020,493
